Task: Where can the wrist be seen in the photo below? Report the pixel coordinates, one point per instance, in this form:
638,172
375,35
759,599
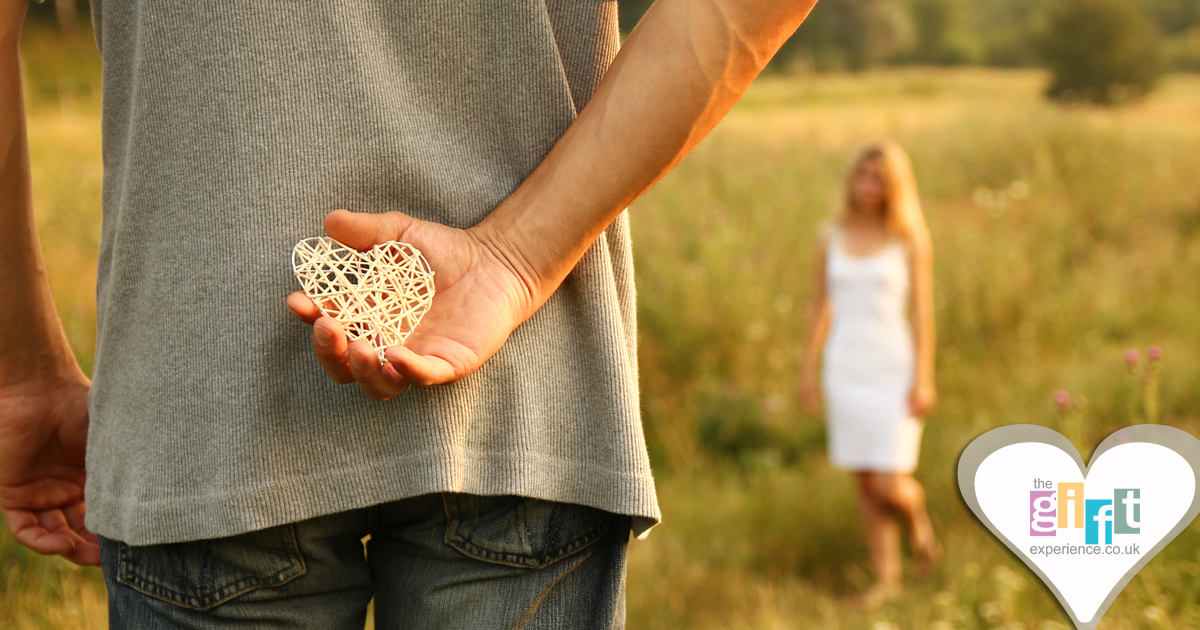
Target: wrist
505,247
40,367
539,244
35,348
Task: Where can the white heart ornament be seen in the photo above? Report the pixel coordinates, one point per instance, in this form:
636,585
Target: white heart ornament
379,295
1085,531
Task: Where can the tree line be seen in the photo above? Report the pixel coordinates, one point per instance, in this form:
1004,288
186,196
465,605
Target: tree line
1098,50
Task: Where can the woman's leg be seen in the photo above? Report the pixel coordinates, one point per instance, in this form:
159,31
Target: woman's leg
902,493
883,539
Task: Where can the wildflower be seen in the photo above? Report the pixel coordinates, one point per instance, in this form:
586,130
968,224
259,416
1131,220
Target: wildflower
1062,399
1132,357
1155,353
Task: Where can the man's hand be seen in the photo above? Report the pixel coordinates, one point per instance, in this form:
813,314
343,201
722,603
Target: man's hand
681,69
43,437
482,295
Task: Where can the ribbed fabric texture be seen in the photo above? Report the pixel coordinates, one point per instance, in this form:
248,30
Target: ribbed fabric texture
230,130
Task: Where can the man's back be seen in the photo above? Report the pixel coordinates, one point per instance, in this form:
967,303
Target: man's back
229,133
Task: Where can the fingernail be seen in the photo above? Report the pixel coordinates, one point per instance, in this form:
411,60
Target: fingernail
357,361
323,336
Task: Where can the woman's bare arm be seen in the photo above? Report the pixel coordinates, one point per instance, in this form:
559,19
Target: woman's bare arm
820,316
924,393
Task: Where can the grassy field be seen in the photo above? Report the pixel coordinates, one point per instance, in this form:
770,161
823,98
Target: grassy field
1062,237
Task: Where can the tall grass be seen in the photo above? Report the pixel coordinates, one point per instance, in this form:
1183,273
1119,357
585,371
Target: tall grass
1062,236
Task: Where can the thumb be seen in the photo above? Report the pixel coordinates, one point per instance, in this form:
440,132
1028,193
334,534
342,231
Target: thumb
364,230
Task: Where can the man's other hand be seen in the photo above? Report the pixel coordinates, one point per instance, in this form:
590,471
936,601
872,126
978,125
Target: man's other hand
43,438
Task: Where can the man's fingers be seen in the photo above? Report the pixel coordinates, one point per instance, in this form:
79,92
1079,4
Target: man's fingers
44,542
65,533
75,514
329,344
23,525
329,340
85,553
421,370
49,532
303,307
362,230
66,543
380,382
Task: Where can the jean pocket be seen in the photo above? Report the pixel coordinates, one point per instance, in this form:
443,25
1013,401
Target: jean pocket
521,531
205,573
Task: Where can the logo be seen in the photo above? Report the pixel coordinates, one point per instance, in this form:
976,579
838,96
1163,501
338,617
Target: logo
1066,508
1085,530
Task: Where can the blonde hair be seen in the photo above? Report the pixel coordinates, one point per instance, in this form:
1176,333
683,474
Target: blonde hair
902,207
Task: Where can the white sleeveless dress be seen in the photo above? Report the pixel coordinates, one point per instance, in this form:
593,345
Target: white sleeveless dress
869,360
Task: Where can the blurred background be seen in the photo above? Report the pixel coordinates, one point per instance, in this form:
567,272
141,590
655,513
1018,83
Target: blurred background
1057,151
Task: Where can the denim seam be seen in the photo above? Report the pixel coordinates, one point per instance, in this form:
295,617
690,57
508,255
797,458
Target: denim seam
129,575
455,540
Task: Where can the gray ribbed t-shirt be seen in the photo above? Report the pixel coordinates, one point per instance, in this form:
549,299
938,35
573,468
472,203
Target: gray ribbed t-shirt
230,130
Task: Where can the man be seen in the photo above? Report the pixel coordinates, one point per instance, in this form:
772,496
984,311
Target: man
497,459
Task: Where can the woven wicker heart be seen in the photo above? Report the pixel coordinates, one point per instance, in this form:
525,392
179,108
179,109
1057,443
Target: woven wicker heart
379,295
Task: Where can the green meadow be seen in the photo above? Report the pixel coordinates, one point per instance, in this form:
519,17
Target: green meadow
1063,236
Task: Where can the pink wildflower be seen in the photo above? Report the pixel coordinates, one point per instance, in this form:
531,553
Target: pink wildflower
1062,398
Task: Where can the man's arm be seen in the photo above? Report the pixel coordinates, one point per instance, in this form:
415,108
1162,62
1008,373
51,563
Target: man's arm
678,74
43,393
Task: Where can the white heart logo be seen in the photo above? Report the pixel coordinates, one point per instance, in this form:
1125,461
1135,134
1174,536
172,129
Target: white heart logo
1086,531
379,295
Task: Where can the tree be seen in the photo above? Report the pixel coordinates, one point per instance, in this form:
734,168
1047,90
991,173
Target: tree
848,35
938,36
1102,51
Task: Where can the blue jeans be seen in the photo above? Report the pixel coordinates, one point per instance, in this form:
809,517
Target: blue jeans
434,561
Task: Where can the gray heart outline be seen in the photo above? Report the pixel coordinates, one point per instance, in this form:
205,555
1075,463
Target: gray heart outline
1183,443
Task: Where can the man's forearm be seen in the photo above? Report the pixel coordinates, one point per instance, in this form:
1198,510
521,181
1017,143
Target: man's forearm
678,74
31,336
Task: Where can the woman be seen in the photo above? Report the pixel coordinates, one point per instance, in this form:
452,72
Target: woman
875,263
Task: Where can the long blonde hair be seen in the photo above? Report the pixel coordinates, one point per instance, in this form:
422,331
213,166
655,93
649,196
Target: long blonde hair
902,207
